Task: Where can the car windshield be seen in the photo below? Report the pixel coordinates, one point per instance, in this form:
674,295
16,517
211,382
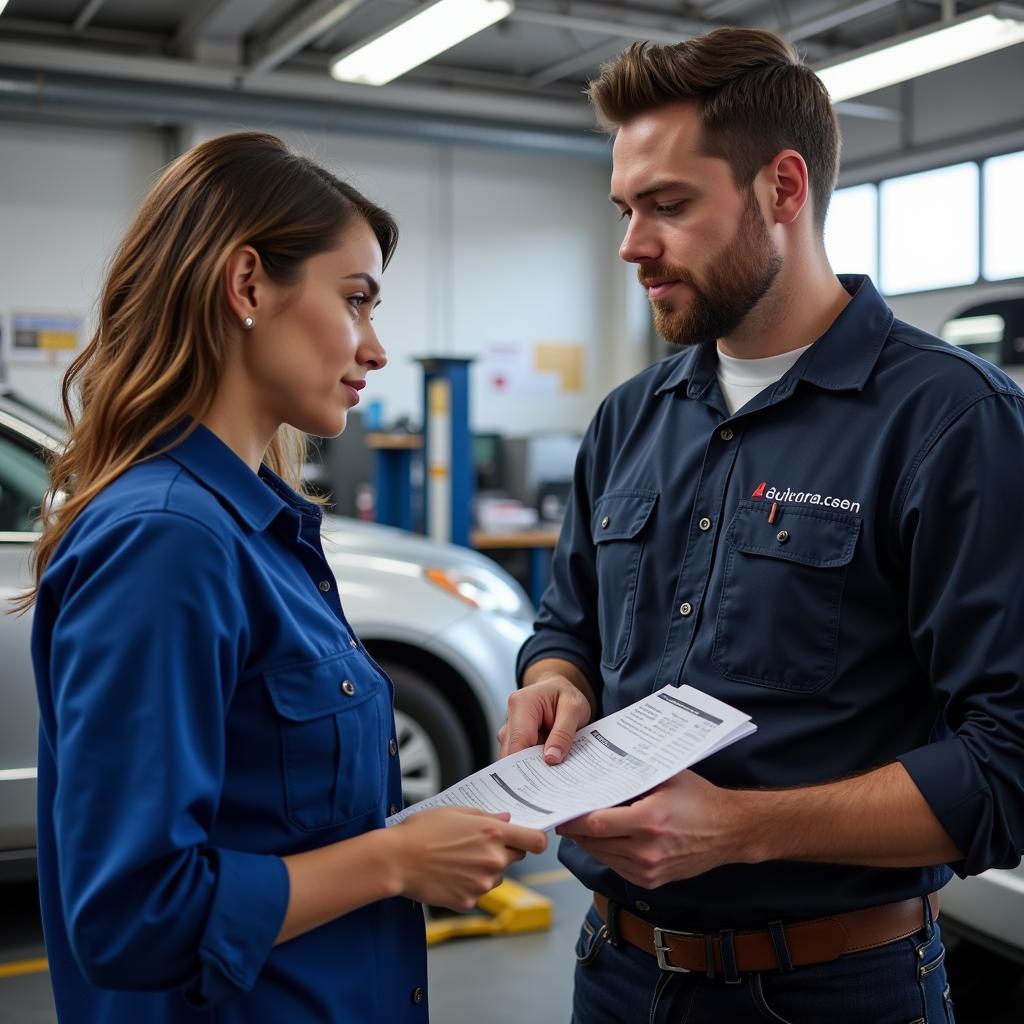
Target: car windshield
23,483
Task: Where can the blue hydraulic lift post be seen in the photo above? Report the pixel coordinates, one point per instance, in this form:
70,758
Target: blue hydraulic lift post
393,457
447,449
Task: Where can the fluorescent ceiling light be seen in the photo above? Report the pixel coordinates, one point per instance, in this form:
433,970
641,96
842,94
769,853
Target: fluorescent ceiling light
424,34
919,53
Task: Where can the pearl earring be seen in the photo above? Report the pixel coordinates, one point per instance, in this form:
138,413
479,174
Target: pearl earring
247,323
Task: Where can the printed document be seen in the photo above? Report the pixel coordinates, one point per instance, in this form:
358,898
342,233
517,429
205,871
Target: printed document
612,760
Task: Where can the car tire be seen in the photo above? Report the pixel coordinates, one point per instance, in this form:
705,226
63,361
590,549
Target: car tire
981,982
432,741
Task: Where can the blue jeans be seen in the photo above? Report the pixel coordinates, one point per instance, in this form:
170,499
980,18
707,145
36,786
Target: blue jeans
903,982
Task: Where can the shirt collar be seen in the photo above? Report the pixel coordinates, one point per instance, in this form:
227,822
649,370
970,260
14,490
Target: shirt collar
842,358
695,367
257,500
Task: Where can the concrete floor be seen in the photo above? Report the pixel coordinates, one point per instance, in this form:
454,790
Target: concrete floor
497,980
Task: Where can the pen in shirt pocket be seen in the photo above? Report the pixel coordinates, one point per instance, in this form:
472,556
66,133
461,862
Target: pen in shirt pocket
773,512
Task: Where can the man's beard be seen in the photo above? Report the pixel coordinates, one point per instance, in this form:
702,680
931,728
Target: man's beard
735,282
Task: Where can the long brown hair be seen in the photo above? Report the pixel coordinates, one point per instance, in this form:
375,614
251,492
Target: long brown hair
754,97
164,325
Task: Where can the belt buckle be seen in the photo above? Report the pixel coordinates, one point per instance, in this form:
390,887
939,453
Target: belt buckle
660,949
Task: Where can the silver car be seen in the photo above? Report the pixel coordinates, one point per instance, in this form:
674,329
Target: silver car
445,622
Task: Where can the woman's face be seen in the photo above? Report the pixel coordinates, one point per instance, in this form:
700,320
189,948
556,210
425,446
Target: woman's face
309,353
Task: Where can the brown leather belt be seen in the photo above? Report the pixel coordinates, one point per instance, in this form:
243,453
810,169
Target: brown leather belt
808,942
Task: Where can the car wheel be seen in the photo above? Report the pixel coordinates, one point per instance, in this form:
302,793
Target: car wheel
980,981
434,749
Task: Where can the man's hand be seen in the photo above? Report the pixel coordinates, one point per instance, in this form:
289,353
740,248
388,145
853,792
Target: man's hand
687,826
554,703
682,828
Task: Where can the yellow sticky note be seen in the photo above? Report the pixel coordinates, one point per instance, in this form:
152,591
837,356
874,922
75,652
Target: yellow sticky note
57,339
565,360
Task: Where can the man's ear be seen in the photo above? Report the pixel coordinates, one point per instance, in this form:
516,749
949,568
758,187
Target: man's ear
788,186
242,282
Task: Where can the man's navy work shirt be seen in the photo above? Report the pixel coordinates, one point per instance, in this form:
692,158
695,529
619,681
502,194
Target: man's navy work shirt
206,710
879,617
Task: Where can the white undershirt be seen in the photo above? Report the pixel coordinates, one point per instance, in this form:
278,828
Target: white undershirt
742,379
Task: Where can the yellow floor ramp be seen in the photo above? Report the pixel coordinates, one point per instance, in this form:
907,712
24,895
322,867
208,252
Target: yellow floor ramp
508,908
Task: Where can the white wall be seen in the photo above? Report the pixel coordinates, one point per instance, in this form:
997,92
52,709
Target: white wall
66,195
495,245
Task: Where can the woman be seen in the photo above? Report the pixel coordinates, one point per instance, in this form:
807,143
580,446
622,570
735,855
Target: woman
217,751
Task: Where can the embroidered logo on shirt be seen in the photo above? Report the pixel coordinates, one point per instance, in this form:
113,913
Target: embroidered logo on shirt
804,498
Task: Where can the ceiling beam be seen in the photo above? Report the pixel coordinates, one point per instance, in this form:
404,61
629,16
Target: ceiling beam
61,30
670,30
495,80
834,18
602,8
549,111
615,29
200,18
298,32
869,111
86,14
574,63
723,8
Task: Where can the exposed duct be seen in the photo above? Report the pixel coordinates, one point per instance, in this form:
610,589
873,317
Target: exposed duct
24,91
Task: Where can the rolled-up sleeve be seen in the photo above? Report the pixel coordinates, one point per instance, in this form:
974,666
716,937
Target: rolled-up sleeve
960,527
567,625
145,652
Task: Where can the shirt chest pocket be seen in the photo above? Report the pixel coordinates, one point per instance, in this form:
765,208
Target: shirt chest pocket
334,717
618,526
782,592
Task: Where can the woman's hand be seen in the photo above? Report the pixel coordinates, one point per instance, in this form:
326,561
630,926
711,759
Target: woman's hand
451,856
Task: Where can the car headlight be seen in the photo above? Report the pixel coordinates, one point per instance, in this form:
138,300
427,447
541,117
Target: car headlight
483,589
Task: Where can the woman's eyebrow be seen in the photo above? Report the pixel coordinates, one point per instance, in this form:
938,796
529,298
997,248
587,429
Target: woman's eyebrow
371,282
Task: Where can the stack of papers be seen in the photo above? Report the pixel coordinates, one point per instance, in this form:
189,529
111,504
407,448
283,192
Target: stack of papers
613,760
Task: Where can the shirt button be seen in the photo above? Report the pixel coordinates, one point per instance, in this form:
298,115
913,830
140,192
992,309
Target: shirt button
605,523
705,523
417,995
685,608
725,434
782,536
642,905
347,688
324,585
392,810
393,747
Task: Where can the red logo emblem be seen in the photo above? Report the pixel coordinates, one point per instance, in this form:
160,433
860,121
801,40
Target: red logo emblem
759,493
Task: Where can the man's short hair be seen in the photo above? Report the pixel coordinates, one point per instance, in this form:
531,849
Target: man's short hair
754,98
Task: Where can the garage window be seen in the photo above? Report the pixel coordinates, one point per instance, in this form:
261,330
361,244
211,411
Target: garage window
851,231
929,229
1004,217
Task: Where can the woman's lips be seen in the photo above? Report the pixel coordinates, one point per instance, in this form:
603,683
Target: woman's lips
354,387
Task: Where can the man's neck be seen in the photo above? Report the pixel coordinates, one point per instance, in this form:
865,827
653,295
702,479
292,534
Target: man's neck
797,310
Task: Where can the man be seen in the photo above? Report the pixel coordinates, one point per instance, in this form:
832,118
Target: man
813,513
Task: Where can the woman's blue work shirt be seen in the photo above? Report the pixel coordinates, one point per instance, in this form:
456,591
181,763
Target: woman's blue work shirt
205,710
